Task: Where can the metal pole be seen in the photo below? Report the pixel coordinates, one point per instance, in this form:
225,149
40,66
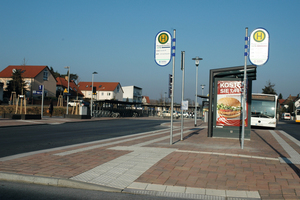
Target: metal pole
42,109
244,89
196,96
173,80
197,59
68,91
182,91
202,101
92,95
164,98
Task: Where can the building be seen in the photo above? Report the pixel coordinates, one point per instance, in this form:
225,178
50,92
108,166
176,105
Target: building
33,75
62,84
289,102
104,90
132,94
146,100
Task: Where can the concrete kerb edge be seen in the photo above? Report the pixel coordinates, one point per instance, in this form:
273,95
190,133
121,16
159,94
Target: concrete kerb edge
184,195
57,182
40,124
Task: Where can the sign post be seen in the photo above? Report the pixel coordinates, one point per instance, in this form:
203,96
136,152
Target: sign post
164,50
41,87
183,104
173,84
259,55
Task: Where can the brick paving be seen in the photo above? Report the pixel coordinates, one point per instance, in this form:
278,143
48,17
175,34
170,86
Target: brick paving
197,162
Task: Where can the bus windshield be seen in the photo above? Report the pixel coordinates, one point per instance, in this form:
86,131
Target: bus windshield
262,108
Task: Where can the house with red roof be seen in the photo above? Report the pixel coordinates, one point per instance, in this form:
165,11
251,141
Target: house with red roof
146,100
62,84
104,90
33,75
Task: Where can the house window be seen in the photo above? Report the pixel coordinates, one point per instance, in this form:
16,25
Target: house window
102,93
45,76
108,94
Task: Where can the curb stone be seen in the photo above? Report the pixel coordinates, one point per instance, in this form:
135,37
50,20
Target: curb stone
57,182
184,195
60,182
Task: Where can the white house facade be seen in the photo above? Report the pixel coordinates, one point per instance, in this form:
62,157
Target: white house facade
104,90
132,94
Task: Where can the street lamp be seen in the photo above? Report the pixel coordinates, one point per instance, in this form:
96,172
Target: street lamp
92,92
197,59
68,89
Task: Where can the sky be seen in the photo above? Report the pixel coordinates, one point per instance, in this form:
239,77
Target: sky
116,38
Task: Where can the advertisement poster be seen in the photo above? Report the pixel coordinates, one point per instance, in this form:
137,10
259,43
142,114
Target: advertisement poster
229,104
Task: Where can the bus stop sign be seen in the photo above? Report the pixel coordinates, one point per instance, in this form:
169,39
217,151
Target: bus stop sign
259,46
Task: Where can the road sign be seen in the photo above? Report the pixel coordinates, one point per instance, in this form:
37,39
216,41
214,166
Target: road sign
37,92
184,105
65,91
40,87
259,46
163,48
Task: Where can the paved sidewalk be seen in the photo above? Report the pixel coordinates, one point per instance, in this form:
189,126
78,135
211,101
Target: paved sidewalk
197,167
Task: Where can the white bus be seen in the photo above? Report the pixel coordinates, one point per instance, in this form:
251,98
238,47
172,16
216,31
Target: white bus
263,110
297,114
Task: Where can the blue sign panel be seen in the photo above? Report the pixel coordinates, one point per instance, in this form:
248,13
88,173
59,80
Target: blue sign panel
37,92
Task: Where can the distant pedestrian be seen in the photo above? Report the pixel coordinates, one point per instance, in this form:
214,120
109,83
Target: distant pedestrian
51,108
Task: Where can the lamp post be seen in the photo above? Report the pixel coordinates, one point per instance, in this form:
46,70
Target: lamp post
68,89
197,59
92,92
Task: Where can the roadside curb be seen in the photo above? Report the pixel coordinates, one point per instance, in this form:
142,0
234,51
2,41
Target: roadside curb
67,183
184,195
57,182
38,123
49,123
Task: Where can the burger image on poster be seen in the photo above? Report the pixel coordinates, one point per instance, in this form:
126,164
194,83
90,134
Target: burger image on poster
229,107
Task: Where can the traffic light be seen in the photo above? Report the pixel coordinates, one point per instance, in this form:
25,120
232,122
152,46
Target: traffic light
94,90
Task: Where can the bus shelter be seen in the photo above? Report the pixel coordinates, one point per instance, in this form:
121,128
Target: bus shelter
225,100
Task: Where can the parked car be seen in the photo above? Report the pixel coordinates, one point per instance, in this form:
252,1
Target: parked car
81,103
167,113
286,116
185,114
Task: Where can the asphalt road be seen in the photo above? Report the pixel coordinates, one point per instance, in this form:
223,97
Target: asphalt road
15,140
290,127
